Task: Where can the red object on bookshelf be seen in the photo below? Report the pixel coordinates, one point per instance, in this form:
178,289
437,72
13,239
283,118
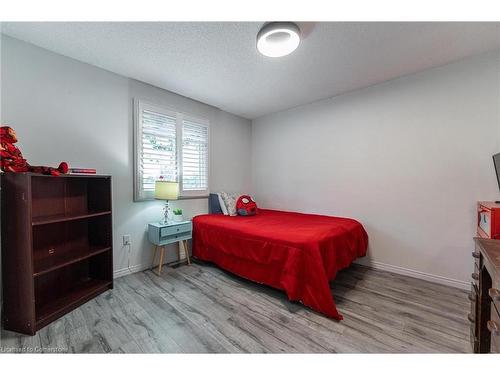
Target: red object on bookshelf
488,220
82,170
56,246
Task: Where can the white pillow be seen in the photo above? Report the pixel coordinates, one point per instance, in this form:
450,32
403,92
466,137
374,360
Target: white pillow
222,204
230,202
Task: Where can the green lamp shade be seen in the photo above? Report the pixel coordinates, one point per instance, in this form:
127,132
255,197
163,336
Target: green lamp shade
166,190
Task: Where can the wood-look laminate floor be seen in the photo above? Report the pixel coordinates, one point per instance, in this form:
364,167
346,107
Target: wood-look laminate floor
200,309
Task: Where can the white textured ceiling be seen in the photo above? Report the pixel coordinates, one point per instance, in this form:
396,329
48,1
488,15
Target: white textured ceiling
217,63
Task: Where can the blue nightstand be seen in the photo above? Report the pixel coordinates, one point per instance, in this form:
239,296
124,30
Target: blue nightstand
161,235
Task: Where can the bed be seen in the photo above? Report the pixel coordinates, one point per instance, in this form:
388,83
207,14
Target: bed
294,252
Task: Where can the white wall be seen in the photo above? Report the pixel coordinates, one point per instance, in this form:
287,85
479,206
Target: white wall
63,109
409,158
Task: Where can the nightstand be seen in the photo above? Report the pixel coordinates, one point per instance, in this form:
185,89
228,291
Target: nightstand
161,235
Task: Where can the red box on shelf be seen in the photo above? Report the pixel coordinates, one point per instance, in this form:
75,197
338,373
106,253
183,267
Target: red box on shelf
488,220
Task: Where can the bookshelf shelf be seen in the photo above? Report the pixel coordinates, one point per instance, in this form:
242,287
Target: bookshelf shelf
66,217
48,264
79,294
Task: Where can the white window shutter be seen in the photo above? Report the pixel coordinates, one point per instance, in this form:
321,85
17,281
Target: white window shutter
157,149
194,157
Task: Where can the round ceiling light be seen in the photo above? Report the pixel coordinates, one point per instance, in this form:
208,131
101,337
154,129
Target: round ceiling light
278,39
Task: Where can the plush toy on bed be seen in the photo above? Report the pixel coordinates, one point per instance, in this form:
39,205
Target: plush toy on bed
11,158
246,206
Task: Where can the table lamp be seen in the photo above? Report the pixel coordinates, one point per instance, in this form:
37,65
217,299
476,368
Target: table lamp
166,190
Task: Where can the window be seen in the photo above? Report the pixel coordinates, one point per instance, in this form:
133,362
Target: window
173,145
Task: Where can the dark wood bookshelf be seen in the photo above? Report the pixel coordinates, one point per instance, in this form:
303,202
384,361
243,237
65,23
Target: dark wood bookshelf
57,246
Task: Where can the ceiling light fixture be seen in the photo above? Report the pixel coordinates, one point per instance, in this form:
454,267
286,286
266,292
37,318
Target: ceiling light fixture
277,39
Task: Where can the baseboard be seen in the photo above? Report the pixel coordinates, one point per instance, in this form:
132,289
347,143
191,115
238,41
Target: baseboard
417,274
375,265
141,267
133,269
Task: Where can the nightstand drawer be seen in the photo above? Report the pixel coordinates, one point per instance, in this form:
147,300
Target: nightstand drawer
175,229
161,234
175,237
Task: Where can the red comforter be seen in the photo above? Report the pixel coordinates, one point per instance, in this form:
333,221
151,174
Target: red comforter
297,253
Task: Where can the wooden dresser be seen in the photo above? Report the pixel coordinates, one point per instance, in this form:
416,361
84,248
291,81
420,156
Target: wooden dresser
485,297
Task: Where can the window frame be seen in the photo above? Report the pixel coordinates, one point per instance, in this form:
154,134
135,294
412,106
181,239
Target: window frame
141,105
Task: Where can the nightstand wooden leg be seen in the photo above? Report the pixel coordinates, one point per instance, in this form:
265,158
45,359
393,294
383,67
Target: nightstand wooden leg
179,252
186,251
162,255
155,250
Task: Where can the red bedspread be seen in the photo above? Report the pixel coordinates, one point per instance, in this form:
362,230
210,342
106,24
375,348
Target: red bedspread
297,253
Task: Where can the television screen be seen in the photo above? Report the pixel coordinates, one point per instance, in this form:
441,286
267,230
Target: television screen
496,161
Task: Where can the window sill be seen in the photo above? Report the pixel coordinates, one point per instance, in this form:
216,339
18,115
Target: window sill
192,197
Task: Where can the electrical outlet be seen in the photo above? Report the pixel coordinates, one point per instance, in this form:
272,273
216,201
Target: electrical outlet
126,240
